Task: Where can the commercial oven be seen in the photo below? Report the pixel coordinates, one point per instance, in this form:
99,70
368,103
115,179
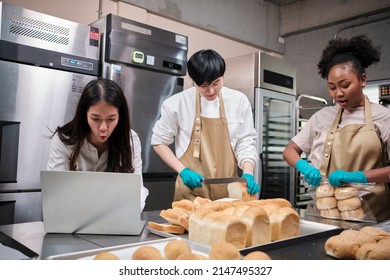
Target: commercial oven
149,64
45,62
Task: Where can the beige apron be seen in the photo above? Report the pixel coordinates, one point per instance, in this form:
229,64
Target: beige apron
357,147
210,154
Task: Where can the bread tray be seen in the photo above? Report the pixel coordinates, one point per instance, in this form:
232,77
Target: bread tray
308,245
307,228
125,252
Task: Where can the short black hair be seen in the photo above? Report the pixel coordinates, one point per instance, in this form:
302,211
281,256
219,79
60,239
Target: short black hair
357,50
205,66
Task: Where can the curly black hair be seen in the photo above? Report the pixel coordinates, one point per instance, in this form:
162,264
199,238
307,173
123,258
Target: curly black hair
358,51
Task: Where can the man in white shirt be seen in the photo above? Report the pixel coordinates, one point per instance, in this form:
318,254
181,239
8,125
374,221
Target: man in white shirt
213,130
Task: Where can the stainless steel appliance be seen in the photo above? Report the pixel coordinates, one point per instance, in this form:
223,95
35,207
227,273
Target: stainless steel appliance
45,63
270,84
148,63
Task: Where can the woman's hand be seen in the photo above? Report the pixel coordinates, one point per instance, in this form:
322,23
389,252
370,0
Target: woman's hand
311,174
340,177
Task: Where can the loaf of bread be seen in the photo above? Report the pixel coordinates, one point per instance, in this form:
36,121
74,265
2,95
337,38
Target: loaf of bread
175,217
174,229
174,248
185,205
345,192
355,214
285,223
147,252
199,201
375,232
323,203
281,202
349,204
240,191
330,213
105,256
258,226
206,230
325,191
228,228
347,243
257,255
224,251
374,251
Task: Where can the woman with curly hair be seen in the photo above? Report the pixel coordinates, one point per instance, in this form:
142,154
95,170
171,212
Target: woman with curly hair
348,142
99,137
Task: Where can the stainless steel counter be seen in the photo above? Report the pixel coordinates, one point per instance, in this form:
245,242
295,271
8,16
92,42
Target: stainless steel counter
31,239
34,243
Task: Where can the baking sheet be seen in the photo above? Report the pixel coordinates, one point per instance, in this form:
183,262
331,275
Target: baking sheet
307,247
125,252
306,228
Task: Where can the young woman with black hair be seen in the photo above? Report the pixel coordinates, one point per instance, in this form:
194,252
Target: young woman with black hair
348,142
99,137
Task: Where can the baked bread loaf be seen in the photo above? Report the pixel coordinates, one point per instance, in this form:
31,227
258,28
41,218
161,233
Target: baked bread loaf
258,225
257,255
374,251
330,213
106,256
355,214
345,192
323,203
325,191
199,201
224,251
349,204
229,228
281,202
240,191
185,204
175,217
174,229
346,244
243,223
147,252
174,248
284,223
376,233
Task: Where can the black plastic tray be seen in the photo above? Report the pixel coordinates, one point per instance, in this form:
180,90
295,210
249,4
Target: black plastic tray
308,247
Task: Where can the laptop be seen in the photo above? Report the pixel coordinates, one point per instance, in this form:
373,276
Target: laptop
91,202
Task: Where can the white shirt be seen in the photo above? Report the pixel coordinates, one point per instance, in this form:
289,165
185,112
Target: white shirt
311,138
178,114
89,160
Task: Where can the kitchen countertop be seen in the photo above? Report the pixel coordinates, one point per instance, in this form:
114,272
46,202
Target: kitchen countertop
31,239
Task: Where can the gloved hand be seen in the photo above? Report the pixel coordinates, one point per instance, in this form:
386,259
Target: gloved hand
339,177
311,174
190,178
253,187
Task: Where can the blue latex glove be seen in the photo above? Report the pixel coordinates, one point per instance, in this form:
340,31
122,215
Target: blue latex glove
253,187
339,177
190,178
311,174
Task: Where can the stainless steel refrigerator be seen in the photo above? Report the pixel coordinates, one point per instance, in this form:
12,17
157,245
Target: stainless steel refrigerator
149,64
45,62
270,84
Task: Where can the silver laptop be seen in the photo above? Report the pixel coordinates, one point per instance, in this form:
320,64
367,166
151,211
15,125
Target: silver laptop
91,202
